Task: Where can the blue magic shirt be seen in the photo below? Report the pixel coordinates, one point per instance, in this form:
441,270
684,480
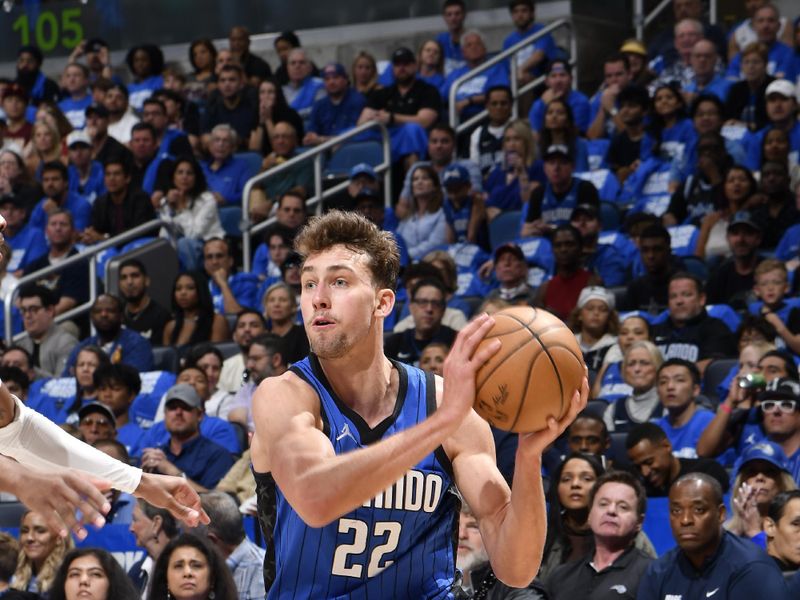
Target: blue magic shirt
577,101
77,205
28,244
329,119
229,179
397,545
684,439
202,460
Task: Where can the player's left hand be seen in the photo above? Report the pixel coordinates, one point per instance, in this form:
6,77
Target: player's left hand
175,494
538,441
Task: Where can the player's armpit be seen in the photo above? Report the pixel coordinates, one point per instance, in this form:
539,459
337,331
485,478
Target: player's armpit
6,406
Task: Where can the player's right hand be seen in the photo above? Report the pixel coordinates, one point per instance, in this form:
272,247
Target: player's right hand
462,364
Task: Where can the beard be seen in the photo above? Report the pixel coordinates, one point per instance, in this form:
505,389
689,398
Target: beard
332,347
472,560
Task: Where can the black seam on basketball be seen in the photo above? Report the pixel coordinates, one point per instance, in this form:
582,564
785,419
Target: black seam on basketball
521,403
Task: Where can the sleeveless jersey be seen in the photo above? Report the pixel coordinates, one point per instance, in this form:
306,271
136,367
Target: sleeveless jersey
400,544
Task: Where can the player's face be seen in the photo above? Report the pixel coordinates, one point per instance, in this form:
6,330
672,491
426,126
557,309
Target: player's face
86,580
432,359
675,387
695,519
786,534
37,539
613,514
577,478
471,551
587,436
188,574
653,462
338,300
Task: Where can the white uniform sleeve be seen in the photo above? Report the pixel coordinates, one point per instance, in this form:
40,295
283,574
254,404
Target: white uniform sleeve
34,440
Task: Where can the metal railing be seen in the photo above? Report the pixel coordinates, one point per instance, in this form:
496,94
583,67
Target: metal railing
516,91
317,155
642,20
89,254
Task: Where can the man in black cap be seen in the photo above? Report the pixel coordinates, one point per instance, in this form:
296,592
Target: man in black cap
362,176
30,76
732,281
337,111
103,145
511,271
552,204
409,106
96,422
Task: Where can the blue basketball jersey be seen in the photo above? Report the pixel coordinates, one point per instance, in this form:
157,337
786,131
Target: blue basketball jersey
400,544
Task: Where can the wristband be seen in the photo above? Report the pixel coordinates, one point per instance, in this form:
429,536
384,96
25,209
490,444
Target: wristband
725,408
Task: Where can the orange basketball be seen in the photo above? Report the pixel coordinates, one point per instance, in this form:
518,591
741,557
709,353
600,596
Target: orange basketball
535,373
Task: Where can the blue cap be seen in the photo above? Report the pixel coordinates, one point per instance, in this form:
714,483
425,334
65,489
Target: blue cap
363,169
334,69
455,174
766,451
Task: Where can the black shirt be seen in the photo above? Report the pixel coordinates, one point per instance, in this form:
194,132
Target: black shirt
727,286
243,117
255,66
114,219
149,323
775,227
700,338
112,147
708,466
405,348
70,282
622,151
650,292
420,95
579,579
296,344
745,106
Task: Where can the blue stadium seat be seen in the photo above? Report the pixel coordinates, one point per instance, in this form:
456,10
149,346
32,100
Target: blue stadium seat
597,152
165,358
596,407
715,373
696,266
349,155
610,216
11,514
504,228
726,314
231,218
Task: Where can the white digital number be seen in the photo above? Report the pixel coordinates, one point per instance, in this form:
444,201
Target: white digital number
390,529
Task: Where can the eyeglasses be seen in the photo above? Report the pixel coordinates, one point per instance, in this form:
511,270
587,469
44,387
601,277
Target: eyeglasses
92,422
431,303
30,310
786,406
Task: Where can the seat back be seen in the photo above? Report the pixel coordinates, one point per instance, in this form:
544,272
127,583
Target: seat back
504,228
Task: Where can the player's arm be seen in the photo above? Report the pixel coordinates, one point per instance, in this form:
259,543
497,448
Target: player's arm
513,525
321,485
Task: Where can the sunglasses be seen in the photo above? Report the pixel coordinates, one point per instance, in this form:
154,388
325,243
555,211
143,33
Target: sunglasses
786,406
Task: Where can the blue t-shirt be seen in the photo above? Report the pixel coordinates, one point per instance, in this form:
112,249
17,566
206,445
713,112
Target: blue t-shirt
130,435
780,59
229,180
140,91
75,110
302,99
95,184
202,460
754,142
545,43
684,439
476,86
28,244
243,286
77,205
719,86
214,429
329,119
129,348
577,101
453,58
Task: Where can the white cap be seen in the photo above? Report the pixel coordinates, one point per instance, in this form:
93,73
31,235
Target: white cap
783,87
596,292
78,136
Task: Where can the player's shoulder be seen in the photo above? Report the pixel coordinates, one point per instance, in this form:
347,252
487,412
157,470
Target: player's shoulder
288,391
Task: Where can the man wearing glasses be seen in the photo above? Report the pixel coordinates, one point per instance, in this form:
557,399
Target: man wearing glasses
780,409
427,305
48,344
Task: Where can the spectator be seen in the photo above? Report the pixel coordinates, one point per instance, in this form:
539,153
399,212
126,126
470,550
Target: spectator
617,506
117,386
48,344
9,551
208,359
141,314
42,551
471,94
433,357
85,174
672,63
272,109
280,313
732,281
687,9
777,212
648,292
427,301
249,324
781,530
120,344
149,170
96,422
409,106
640,365
187,453
146,62
17,382
705,81
30,77
552,204
364,72
230,291
670,134
559,129
75,80
707,557
170,140
464,210
25,241
234,106
55,181
426,226
284,142
605,120
91,573
337,111
71,284
561,292
746,104
255,68
121,115
16,181
689,332
437,264
743,34
430,58
781,106
766,22
152,528
191,208
122,503
608,384
650,450
16,356
609,254
193,317
486,142
45,147
454,12
771,287
559,85
203,58
226,533
18,130
588,435
529,60
121,208
278,239
303,87
762,474
361,176
595,323
203,566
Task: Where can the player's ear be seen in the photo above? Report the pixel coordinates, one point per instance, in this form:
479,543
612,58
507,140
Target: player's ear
385,300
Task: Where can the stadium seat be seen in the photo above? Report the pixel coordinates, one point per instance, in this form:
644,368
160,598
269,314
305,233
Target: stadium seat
11,514
715,373
231,218
696,266
165,358
617,452
597,152
504,228
349,155
726,314
596,408
228,349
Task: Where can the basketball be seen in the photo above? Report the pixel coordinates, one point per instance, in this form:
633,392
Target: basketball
535,373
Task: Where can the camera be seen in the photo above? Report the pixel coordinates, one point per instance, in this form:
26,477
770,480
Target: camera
752,381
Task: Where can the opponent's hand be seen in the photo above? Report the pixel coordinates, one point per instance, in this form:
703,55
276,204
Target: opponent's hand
174,494
462,364
58,496
538,441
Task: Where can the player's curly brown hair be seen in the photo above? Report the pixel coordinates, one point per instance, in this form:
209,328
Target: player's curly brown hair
358,234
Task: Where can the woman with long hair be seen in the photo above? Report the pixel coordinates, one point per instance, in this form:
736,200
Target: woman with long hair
86,363
202,80
91,574
189,568
272,109
430,59
208,358
364,73
640,365
191,208
45,146
146,63
671,133
426,226
42,552
280,312
193,317
50,111
559,128
608,384
16,181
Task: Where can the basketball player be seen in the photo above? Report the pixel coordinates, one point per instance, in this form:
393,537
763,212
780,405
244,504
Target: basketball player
363,460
